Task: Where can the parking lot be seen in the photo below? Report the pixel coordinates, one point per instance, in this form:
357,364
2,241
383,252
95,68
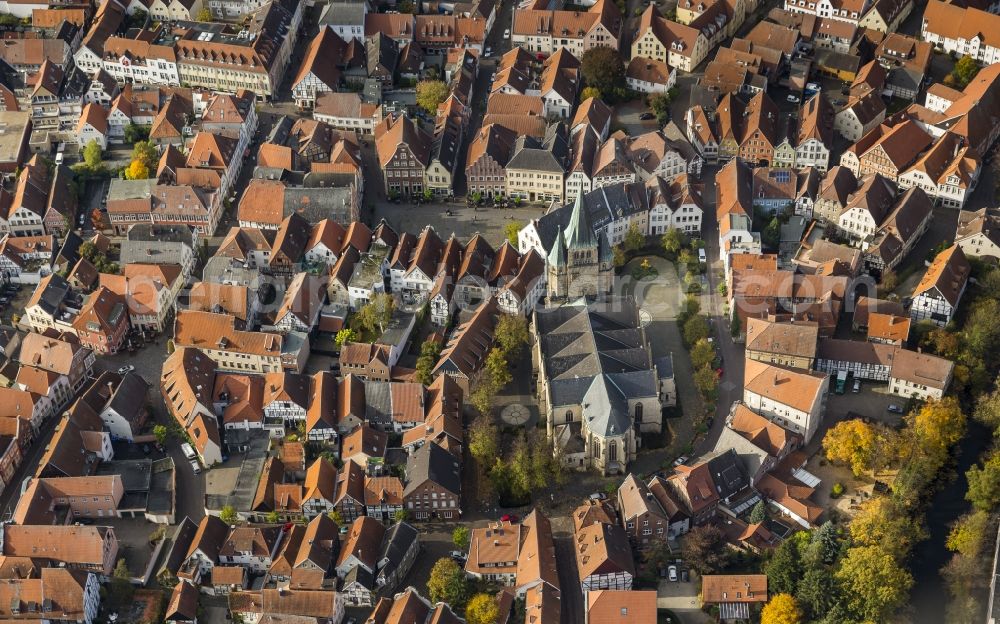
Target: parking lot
682,598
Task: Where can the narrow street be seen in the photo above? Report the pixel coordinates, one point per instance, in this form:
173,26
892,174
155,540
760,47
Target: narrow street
713,306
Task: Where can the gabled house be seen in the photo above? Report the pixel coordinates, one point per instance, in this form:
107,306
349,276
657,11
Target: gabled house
404,152
940,290
433,483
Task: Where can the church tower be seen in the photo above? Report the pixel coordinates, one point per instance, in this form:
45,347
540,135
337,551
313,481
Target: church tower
556,269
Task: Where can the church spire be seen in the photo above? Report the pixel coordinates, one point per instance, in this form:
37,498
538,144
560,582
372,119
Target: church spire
579,232
557,257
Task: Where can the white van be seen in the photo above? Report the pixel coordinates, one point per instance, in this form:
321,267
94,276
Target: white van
702,258
188,451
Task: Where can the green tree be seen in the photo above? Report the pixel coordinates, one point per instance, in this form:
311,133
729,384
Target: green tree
784,568
984,484
499,475
484,440
704,549
695,329
121,584
702,354
134,133
827,538
660,104
618,256
430,350
965,70
816,591
706,380
881,522
274,517
689,307
406,6
590,92
735,326
510,231
545,469
92,154
873,583
634,239
603,68
781,609
336,517
430,94
520,470
447,583
90,251
969,534
161,434
401,515
498,368
771,236
229,515
460,537
988,410
512,334
146,153
889,283
482,609
346,335
204,15
483,392
758,513
376,314
673,241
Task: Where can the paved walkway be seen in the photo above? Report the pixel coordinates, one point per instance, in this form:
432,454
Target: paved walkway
661,298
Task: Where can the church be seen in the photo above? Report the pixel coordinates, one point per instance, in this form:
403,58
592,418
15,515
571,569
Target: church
598,386
579,262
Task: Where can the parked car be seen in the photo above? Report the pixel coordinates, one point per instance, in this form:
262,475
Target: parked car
792,98
672,573
487,52
680,460
124,370
598,496
506,34
685,576
647,116
813,86
895,409
457,555
195,466
857,386
512,518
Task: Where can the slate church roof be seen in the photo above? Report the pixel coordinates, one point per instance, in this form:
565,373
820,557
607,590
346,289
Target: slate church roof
597,357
